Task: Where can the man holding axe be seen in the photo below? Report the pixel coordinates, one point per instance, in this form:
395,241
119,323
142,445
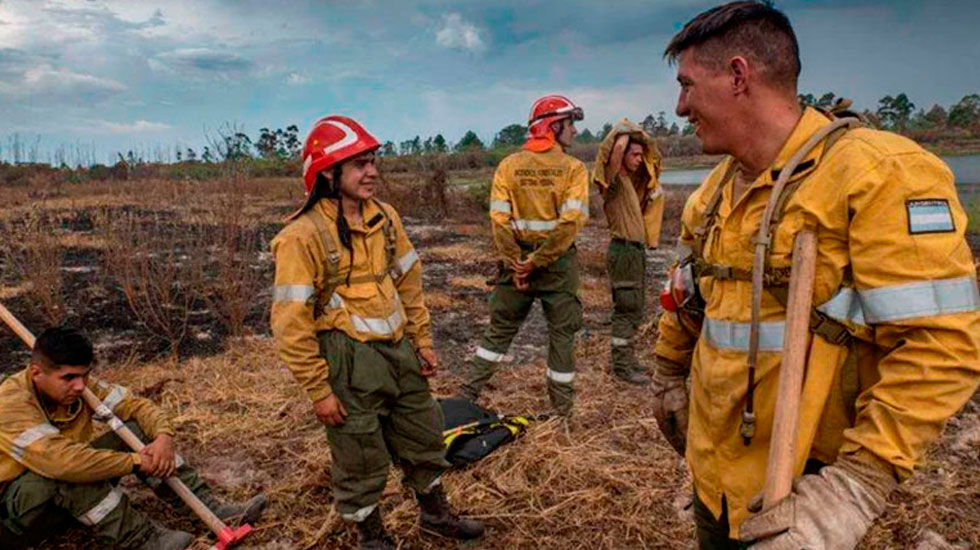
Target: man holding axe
626,171
51,470
892,348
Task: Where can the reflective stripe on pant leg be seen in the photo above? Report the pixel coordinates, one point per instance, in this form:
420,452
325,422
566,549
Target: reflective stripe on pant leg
563,312
508,309
413,429
107,510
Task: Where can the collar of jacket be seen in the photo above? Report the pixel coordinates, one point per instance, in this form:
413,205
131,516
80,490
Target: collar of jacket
22,384
370,211
811,121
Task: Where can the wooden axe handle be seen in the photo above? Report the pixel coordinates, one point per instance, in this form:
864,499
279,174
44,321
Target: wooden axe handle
124,433
796,344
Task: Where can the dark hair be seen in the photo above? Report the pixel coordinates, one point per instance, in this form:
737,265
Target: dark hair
753,29
329,188
60,346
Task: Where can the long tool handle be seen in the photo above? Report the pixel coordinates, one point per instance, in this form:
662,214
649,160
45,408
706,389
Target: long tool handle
796,344
124,433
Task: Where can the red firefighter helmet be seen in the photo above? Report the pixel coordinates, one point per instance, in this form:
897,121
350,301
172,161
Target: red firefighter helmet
554,108
333,139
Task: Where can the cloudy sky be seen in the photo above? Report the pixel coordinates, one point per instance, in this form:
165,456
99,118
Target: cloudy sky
109,75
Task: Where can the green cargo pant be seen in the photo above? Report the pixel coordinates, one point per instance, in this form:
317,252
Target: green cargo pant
557,287
390,413
712,534
626,263
33,507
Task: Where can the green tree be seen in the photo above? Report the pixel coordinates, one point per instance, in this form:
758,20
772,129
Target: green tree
966,113
388,149
439,144
936,117
894,112
510,136
606,128
586,137
688,129
470,142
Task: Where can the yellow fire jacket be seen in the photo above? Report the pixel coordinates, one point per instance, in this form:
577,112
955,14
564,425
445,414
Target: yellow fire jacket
54,443
892,264
382,302
634,206
539,200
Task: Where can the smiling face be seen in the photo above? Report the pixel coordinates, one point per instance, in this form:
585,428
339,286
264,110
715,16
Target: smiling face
60,384
358,177
707,101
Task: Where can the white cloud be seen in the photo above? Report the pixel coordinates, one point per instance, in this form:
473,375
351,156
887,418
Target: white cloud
136,127
297,79
456,33
204,62
48,82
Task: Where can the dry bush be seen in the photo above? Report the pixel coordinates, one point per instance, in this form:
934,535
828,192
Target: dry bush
158,266
233,244
33,254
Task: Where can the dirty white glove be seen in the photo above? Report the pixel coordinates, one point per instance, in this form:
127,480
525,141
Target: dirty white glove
827,511
670,401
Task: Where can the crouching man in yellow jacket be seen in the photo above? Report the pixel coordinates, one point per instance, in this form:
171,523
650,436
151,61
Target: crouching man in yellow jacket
896,328
51,470
350,322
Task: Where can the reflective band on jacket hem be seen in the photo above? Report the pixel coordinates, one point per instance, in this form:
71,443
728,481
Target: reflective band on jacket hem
845,307
29,436
920,299
500,206
385,327
435,483
102,509
571,204
561,377
360,515
735,336
407,261
292,293
619,342
534,225
492,356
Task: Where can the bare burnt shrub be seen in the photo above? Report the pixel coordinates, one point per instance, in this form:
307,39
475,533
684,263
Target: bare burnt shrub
157,264
234,243
33,255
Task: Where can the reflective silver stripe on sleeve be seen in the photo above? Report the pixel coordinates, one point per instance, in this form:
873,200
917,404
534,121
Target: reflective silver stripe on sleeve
102,509
292,293
534,225
571,204
492,356
360,515
920,299
30,436
384,327
735,336
500,206
845,306
619,342
561,377
407,261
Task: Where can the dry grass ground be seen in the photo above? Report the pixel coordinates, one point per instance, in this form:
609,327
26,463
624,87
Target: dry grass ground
607,480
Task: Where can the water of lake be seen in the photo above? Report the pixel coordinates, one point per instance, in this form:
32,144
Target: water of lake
966,168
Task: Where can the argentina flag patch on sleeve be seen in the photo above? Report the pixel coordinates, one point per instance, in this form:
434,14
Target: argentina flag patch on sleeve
929,216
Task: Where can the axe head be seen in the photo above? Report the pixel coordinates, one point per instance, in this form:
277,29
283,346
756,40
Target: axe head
230,536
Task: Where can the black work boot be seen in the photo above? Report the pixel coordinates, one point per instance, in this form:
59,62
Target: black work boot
372,535
438,517
162,538
238,513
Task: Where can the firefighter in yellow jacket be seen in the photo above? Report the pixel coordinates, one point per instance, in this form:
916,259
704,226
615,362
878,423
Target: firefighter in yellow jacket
350,322
626,171
51,471
896,329
539,202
